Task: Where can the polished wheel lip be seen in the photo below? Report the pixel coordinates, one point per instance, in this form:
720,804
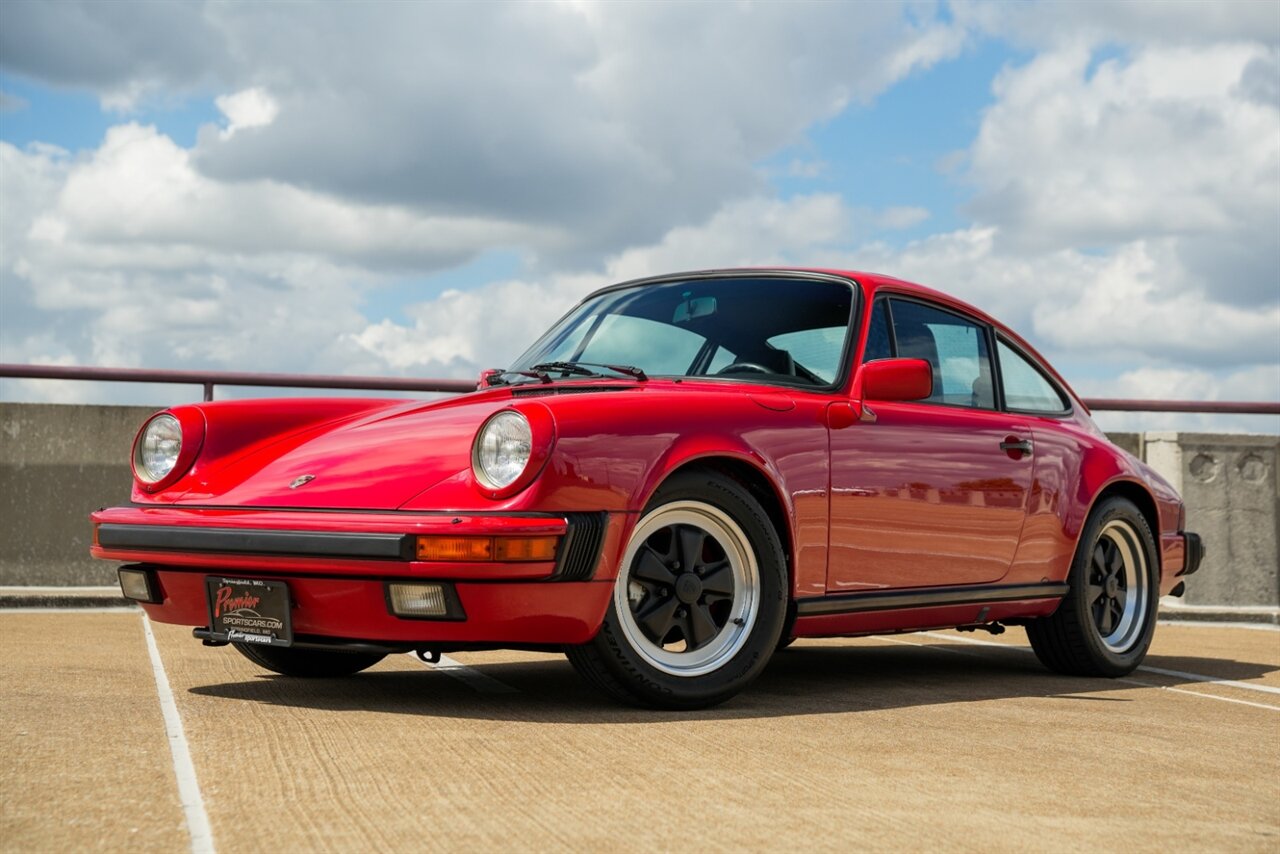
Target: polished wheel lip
1117,586
744,607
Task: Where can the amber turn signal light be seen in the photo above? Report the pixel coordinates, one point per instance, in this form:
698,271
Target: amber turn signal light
487,548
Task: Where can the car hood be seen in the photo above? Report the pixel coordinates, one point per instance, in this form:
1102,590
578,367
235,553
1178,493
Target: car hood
376,461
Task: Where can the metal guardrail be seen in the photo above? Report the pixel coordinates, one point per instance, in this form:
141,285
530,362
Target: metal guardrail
210,379
1212,407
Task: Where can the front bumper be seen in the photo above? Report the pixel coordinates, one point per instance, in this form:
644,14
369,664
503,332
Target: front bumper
337,566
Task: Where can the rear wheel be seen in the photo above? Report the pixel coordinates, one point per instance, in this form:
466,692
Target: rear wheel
699,601
1105,622
290,661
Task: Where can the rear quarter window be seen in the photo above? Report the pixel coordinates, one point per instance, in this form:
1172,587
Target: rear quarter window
1025,387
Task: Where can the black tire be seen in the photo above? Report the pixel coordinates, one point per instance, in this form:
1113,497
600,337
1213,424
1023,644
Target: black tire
1094,632
630,660
289,661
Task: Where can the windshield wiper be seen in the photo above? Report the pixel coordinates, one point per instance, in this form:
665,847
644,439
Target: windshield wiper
498,379
575,368
583,369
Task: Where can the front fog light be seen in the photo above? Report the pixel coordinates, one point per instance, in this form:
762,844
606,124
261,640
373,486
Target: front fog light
424,601
139,585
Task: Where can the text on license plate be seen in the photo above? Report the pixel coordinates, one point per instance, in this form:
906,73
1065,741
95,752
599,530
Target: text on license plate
249,610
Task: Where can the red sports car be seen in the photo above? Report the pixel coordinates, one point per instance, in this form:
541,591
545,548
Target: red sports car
679,478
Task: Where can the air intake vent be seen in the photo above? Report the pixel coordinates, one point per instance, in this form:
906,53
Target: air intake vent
581,550
544,391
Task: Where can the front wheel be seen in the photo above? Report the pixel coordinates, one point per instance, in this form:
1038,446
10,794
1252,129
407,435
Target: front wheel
699,601
290,661
1105,622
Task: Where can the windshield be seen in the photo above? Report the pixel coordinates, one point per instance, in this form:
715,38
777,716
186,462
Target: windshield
790,331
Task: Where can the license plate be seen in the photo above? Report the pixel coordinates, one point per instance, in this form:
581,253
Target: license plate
248,610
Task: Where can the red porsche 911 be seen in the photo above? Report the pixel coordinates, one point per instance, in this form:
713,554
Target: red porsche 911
682,476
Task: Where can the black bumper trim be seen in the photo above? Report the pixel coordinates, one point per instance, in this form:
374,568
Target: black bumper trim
936,597
1194,555
252,541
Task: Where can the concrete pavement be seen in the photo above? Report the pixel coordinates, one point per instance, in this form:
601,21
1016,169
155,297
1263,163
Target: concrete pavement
925,741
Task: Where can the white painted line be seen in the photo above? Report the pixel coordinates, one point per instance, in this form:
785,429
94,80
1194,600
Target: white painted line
121,609
923,646
183,768
1211,624
1200,694
1130,681
960,639
1171,605
1198,677
27,590
1177,674
481,682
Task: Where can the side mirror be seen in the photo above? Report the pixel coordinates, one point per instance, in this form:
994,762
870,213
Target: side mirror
897,379
486,375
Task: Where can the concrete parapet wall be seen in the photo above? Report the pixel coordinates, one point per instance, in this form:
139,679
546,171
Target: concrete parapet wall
58,463
1232,494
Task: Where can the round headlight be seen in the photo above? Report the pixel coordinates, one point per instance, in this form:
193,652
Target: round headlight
158,449
502,449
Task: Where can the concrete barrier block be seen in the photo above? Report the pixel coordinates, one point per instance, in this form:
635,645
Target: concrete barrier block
1230,487
1131,442
58,463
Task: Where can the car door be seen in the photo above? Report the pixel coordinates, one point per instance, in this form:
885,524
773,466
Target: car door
931,492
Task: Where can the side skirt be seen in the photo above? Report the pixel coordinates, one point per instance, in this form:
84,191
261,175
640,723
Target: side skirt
884,612
894,600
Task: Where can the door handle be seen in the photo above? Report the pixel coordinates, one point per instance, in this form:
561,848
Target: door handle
1022,446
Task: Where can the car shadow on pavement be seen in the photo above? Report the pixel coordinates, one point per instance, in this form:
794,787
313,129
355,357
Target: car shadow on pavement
802,680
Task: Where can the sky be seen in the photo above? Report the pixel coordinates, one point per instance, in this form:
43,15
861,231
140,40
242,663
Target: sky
414,189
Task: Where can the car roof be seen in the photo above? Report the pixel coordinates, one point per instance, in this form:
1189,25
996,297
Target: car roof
871,282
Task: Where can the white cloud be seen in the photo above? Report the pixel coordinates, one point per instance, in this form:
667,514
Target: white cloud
249,108
10,103
1054,23
901,216
799,168
1126,201
464,331
1258,383
138,201
1164,144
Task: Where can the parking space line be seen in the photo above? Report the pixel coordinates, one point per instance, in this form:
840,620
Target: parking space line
114,609
481,682
183,768
1199,677
1206,696
1219,624
1177,674
1199,694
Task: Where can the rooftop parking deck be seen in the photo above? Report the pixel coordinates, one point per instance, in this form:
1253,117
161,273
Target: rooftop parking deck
914,742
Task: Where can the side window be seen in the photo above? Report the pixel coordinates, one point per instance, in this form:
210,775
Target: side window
722,359
879,345
1025,388
815,352
954,346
